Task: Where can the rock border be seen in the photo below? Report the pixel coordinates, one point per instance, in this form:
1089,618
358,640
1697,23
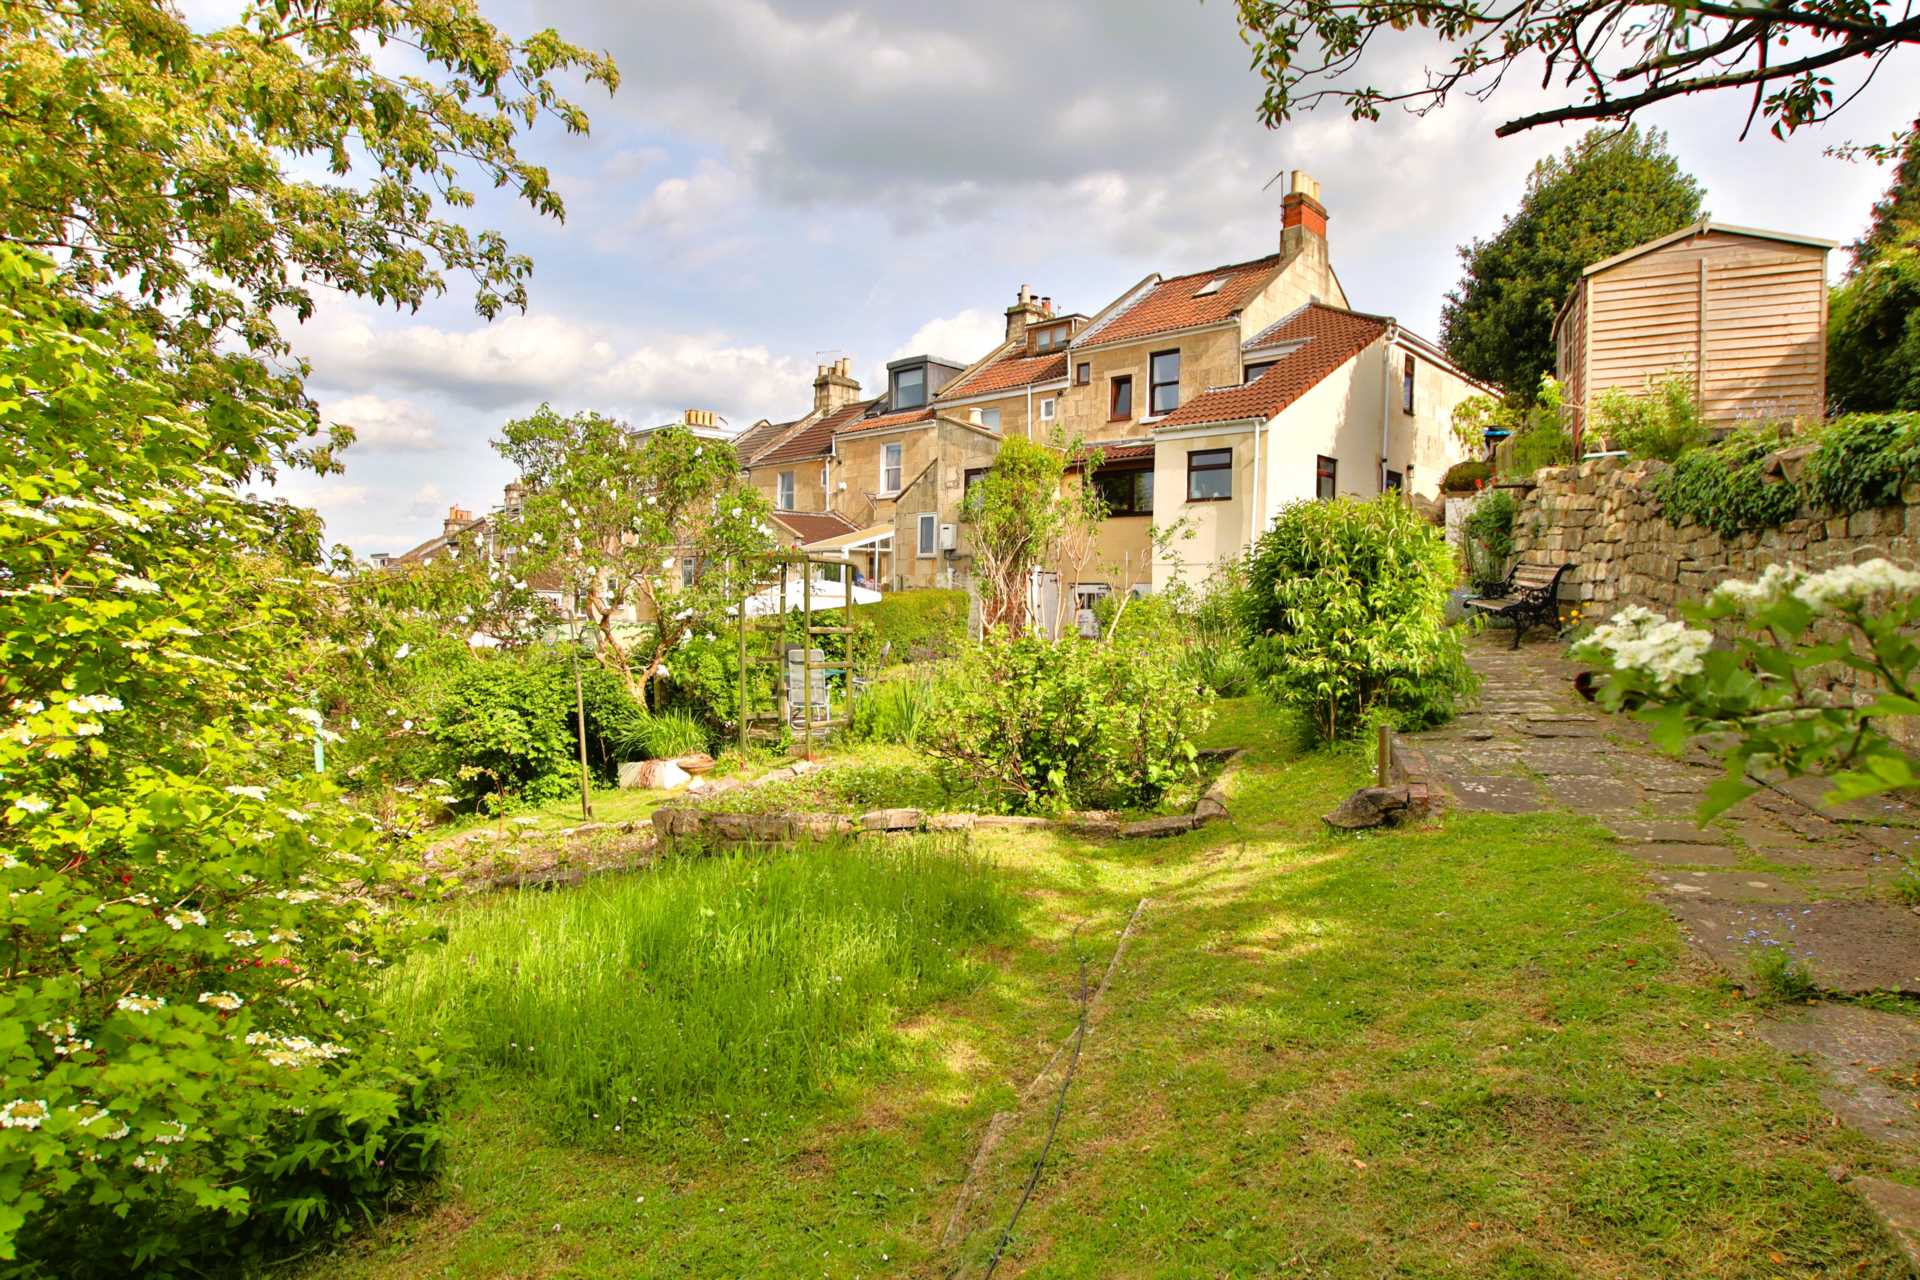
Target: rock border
673,823
1408,796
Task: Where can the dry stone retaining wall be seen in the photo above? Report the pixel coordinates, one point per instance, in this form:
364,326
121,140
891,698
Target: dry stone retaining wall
1602,518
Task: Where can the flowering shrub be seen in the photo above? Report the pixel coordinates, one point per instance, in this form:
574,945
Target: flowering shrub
1772,690
189,1061
1039,725
1345,612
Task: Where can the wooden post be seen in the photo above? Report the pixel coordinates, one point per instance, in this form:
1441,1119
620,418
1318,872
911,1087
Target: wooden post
806,657
1384,755
780,690
846,583
580,714
746,581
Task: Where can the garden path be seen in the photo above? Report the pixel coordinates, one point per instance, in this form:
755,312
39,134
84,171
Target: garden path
1778,870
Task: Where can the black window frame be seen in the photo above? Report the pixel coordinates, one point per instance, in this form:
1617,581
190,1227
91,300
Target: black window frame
1155,382
1114,384
1253,372
1196,467
1406,386
899,402
1326,478
1396,481
1131,506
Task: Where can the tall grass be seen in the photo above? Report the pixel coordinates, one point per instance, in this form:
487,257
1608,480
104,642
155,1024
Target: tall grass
895,710
708,984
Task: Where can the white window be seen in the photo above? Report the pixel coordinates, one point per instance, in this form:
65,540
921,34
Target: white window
890,468
786,491
1046,409
689,570
929,532
990,419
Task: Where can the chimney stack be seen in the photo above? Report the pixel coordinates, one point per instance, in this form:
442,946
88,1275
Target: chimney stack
457,519
835,387
1303,232
1026,310
698,417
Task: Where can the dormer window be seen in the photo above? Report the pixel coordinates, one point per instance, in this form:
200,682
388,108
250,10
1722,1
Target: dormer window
1210,288
910,387
1051,338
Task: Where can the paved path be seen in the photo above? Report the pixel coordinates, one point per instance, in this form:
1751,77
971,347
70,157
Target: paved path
1778,870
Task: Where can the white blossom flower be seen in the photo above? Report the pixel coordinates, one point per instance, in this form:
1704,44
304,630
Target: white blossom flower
171,1131
88,729
31,804
1639,639
78,932
225,1001
150,1162
248,793
240,937
140,1004
1851,585
177,922
137,585
27,706
94,704
307,714
293,815
402,652
23,1113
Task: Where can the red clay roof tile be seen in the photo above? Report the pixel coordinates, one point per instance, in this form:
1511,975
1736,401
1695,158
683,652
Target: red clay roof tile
1332,337
1172,304
1012,370
814,440
904,418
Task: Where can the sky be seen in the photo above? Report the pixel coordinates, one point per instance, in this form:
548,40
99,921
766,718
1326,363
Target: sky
776,185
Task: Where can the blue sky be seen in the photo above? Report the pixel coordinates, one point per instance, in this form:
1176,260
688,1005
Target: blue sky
776,185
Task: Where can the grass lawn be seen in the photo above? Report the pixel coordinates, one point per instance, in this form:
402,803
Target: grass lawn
1476,1049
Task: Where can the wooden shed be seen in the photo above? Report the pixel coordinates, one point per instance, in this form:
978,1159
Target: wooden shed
1741,312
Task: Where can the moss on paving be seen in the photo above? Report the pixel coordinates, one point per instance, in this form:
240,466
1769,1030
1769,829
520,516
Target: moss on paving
1475,1049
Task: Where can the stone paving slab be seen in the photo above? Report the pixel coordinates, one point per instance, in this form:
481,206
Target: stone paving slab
1493,793
1871,1060
1757,886
1686,855
1850,947
1665,831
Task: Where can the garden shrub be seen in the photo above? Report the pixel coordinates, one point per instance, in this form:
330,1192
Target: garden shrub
191,1070
1863,461
927,619
895,710
1725,487
1488,534
1043,726
1465,477
506,728
1201,624
1663,422
1345,612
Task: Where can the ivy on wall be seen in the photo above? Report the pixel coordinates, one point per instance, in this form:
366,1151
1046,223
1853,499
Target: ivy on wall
1859,462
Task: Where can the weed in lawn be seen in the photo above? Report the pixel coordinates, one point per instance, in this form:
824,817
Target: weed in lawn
895,710
1782,976
726,983
1906,883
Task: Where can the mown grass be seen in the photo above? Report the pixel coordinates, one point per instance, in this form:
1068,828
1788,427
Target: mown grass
703,985
1468,1050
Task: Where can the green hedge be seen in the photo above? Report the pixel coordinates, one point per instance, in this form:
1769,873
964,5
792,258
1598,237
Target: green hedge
924,619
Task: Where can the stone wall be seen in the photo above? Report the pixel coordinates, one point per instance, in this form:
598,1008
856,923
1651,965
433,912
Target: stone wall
1602,517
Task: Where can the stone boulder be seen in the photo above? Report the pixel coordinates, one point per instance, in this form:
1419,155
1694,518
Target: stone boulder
1372,807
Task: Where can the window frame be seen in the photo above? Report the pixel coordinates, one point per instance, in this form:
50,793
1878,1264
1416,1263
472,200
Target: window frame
1396,482
1254,372
1210,468
1406,385
898,450
786,490
1133,508
1083,373
1155,383
1328,470
1114,384
926,535
990,419
917,369
1049,408
689,571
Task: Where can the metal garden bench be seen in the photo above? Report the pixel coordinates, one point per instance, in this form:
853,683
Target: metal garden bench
1529,597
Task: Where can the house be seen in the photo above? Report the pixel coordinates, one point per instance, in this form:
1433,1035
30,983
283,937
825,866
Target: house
890,471
1742,313
1217,396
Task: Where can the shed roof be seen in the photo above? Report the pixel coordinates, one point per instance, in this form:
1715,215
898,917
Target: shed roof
1702,227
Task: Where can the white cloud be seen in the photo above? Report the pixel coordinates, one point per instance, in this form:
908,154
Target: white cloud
964,336
383,425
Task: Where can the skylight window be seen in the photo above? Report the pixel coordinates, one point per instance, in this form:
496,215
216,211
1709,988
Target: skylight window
1210,287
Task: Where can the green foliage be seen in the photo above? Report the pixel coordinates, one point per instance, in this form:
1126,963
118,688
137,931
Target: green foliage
1488,530
615,513
1782,977
1465,477
1039,726
895,709
1612,190
1536,432
190,1070
845,789
1873,334
1863,461
1663,423
673,733
1345,611
507,727
739,982
929,620
1020,515
1725,487
1766,697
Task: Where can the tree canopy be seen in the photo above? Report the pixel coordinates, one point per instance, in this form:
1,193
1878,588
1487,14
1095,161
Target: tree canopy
1605,59
1610,191
1873,324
